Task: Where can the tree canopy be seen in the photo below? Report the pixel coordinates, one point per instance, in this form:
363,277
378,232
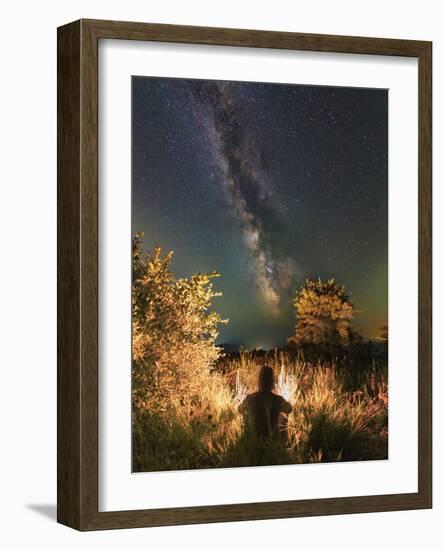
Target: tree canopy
173,328
323,314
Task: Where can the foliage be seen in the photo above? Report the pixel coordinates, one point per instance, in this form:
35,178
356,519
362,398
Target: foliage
186,393
173,331
383,335
323,315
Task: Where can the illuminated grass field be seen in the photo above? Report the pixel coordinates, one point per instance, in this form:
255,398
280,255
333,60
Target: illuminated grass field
340,414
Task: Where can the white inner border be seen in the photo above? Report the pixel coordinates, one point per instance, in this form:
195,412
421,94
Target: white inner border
118,488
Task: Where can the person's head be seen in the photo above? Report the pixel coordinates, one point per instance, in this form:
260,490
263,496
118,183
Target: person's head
266,380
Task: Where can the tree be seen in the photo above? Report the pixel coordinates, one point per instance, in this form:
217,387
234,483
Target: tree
323,315
173,330
383,334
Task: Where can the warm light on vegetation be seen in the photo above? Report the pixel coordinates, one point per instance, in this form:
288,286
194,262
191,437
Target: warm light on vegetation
186,392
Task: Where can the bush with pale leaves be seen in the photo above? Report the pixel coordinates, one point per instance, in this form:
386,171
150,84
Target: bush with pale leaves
173,331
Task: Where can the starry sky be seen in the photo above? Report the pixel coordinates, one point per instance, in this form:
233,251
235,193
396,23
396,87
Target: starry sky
266,184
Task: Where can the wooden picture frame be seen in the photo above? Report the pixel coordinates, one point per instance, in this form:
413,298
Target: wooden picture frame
77,459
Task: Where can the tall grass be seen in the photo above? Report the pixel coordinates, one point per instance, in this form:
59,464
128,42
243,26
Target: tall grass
340,413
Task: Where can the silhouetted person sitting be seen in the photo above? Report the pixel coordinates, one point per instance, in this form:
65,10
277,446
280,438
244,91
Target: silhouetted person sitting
265,410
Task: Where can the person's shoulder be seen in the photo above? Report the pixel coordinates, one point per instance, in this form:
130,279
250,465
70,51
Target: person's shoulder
253,395
278,397
245,404
283,404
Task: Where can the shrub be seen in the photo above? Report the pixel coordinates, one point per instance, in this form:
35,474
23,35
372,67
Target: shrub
173,331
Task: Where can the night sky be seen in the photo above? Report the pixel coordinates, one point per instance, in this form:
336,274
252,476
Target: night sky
266,184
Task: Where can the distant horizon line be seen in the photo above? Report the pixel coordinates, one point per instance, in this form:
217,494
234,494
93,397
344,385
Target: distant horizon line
238,345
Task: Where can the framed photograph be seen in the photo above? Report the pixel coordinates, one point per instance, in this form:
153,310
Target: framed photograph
244,275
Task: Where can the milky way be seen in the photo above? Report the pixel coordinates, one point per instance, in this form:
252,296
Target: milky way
249,194
266,184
